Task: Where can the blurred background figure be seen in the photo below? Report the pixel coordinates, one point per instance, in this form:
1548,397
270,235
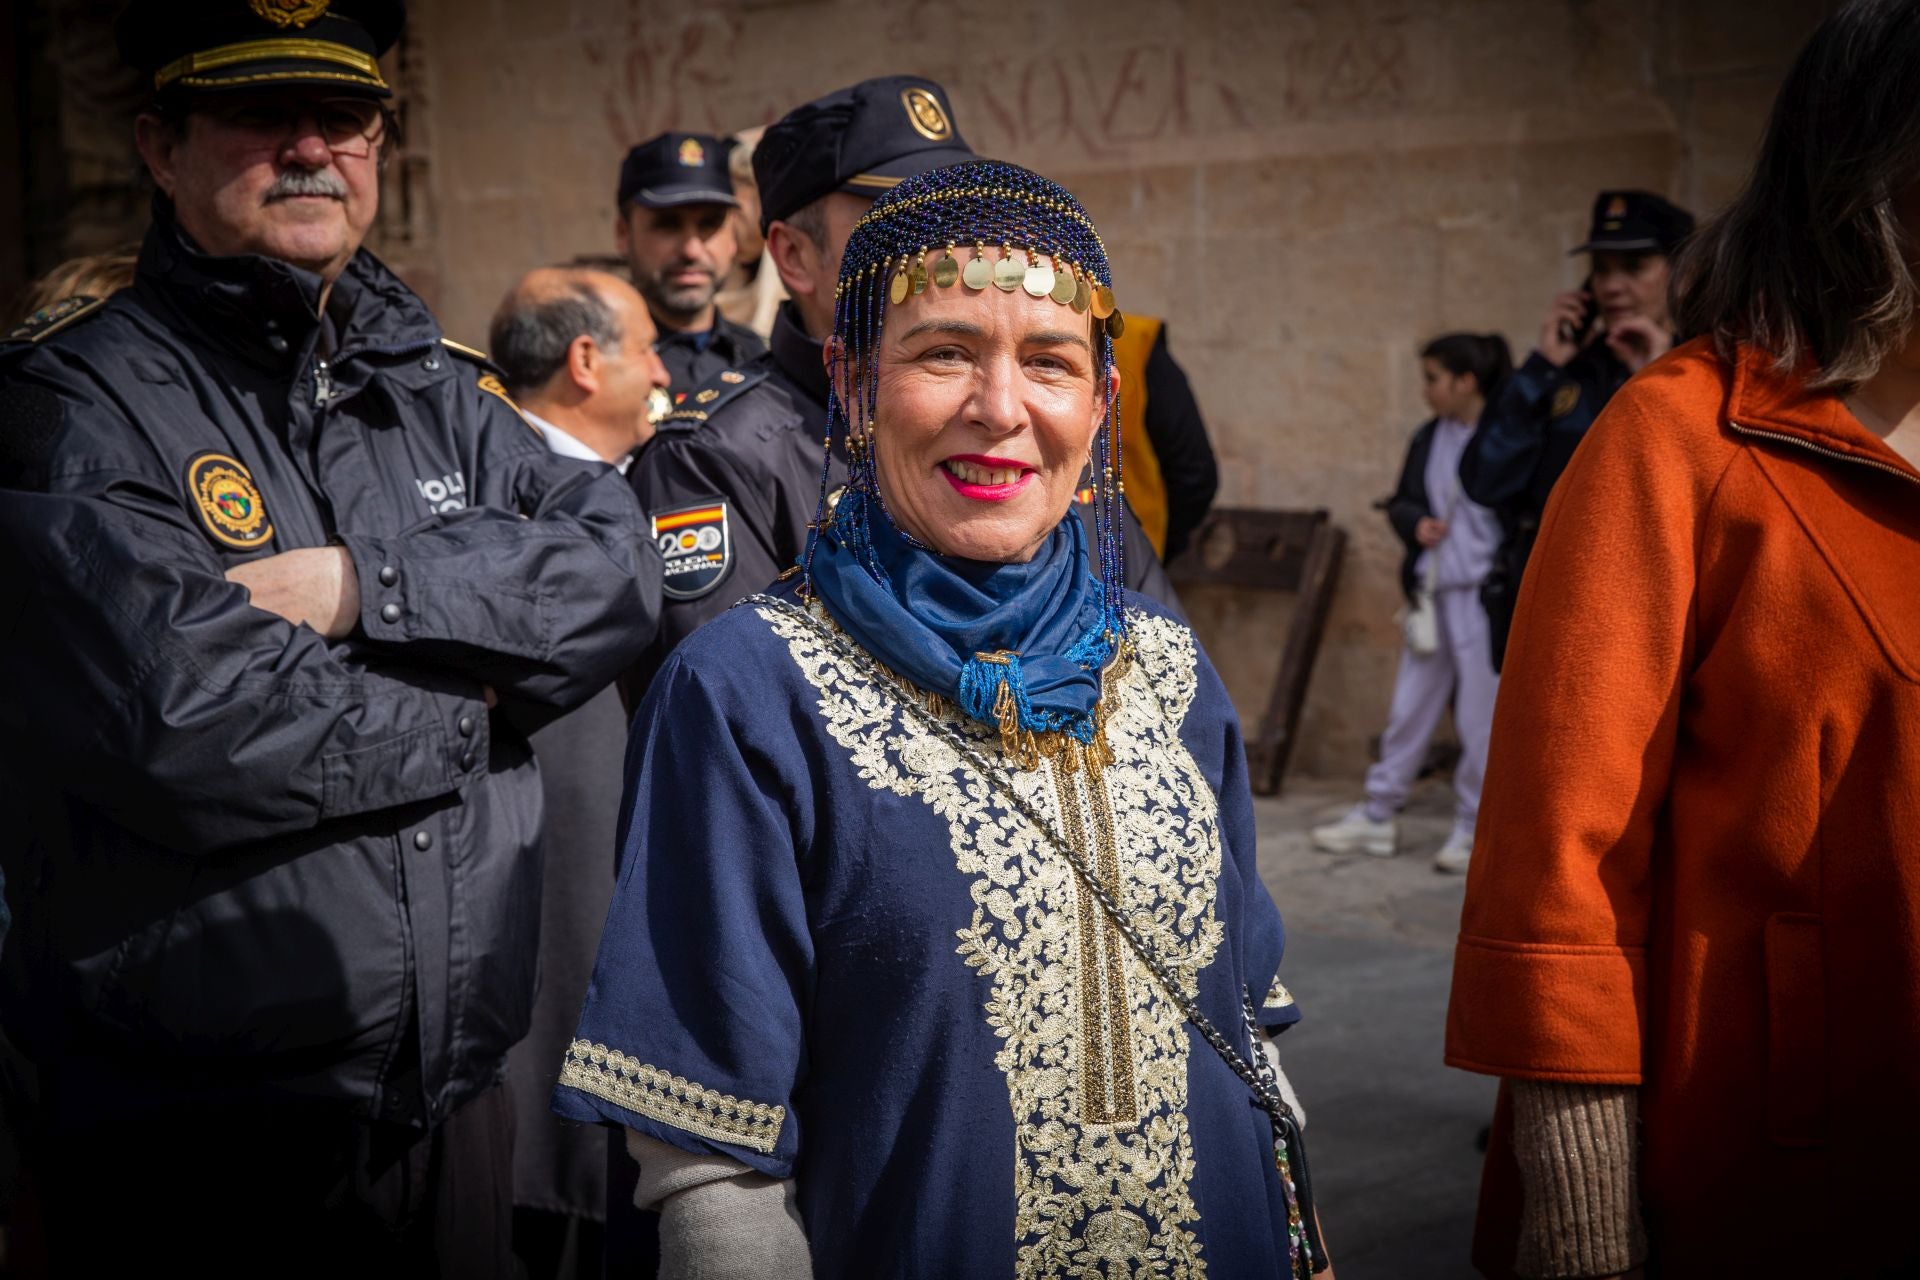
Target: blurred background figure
575,348
1450,541
1170,470
93,275
1593,339
1689,944
751,293
577,352
675,229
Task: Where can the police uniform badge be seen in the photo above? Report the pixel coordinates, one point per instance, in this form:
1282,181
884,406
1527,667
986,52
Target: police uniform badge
1565,400
692,154
229,502
288,13
926,115
52,319
697,548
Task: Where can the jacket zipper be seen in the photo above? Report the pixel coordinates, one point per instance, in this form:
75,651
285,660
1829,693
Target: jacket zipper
322,382
1798,443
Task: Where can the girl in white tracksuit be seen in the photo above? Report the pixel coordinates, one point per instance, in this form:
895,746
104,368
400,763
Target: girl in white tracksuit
1451,542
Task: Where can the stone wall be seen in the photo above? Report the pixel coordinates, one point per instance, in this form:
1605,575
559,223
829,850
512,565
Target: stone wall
1306,191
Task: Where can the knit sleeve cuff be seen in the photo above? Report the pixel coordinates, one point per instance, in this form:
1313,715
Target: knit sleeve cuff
1578,1150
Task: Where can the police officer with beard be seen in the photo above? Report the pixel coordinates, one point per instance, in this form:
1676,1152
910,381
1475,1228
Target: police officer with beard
674,230
733,475
286,581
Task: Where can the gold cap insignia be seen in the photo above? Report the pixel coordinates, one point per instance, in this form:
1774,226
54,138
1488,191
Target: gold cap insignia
692,154
706,397
1617,207
229,502
926,115
731,378
288,13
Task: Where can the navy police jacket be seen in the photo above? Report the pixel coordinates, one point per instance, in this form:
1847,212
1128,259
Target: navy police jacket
731,482
253,864
1525,440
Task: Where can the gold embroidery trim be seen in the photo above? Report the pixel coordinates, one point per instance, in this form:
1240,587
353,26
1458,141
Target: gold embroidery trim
1278,997
1106,1021
672,1100
263,50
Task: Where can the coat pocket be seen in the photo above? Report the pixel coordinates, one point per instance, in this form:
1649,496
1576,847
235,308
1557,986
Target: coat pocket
1796,1031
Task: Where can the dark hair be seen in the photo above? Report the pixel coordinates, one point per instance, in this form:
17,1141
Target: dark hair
529,340
1484,355
1810,261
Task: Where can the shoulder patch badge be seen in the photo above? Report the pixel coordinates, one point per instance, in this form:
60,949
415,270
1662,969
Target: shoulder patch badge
697,547
51,320
1566,400
229,502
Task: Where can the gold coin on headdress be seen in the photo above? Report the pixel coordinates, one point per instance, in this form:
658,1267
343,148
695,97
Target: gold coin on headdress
978,273
897,291
1102,302
1008,274
1038,280
1116,325
918,277
1082,295
1064,286
946,271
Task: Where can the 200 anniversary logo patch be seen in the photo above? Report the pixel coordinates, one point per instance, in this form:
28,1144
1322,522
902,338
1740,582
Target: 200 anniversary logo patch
697,548
229,502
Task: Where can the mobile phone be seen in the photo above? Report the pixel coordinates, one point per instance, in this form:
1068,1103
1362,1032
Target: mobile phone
1589,315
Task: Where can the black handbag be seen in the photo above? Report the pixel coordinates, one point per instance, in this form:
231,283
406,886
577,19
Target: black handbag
1307,1253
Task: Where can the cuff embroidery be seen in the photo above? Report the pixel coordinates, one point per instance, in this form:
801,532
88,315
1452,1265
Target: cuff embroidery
1278,997
659,1095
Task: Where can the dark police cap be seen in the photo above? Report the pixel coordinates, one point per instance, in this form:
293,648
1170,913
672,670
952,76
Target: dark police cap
1636,222
204,45
863,140
677,168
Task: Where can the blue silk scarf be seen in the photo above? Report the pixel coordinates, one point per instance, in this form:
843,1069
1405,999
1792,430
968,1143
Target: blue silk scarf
1001,640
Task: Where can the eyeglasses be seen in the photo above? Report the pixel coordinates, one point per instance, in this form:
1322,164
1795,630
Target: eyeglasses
350,126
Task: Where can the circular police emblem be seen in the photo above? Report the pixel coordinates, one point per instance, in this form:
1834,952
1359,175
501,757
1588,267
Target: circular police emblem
1565,400
288,13
695,545
229,502
926,115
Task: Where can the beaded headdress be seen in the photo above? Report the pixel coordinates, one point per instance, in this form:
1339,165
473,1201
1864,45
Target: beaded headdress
934,231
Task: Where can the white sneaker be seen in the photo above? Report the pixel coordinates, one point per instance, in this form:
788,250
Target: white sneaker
1355,833
1453,855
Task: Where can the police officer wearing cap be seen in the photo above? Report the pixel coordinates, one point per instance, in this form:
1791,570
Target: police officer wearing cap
276,868
732,477
1593,339
672,228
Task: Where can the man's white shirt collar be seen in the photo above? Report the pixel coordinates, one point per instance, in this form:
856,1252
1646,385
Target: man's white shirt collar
568,446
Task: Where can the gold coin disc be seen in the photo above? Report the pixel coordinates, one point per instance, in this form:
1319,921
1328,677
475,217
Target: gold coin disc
1008,274
898,290
1102,302
1116,325
978,273
1082,295
1039,280
946,271
1064,286
918,277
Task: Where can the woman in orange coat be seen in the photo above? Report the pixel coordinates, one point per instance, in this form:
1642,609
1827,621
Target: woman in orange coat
1697,895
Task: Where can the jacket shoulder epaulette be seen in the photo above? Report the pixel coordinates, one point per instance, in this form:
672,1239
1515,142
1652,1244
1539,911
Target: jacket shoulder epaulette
48,321
480,358
711,396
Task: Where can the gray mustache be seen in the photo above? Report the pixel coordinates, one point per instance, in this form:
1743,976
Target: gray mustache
304,182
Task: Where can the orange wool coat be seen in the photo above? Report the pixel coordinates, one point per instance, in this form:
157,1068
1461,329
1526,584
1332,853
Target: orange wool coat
1697,868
